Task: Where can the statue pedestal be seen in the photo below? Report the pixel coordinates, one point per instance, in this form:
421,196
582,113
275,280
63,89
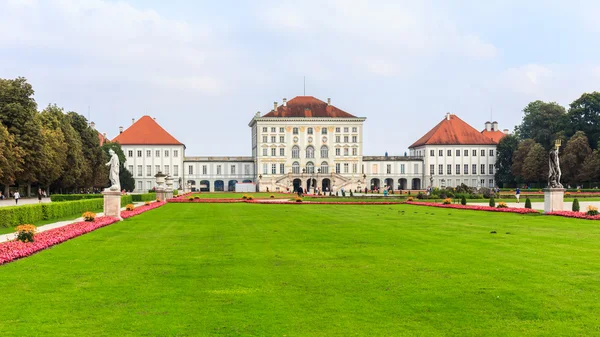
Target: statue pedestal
112,204
553,199
169,194
161,194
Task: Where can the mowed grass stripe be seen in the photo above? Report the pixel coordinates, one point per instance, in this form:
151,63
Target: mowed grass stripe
312,270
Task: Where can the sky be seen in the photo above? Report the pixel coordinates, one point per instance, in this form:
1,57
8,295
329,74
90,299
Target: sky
204,68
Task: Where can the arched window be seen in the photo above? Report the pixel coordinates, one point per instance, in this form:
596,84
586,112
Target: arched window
310,152
324,151
324,167
295,152
296,168
310,167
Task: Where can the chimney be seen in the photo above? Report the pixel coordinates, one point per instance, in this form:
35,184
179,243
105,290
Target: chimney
447,116
154,118
104,135
120,129
506,132
93,125
488,126
257,114
328,101
132,121
495,126
285,102
274,106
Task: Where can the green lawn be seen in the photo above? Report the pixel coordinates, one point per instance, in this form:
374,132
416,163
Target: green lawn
233,195
312,270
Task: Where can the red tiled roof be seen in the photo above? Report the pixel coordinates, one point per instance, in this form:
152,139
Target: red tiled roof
102,139
453,131
308,106
495,136
145,131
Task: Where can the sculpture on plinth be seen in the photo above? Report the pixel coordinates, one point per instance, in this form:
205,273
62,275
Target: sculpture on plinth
554,167
113,175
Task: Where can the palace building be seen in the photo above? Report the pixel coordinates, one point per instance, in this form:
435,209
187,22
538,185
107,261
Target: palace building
308,143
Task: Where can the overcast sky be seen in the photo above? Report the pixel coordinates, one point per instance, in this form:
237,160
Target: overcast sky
203,68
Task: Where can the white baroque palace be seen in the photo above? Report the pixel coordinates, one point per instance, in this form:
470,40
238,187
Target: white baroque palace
308,143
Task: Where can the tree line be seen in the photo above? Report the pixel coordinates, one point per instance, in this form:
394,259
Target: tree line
50,149
523,155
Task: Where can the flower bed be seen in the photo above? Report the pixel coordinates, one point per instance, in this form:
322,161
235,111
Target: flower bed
12,250
475,208
199,200
577,215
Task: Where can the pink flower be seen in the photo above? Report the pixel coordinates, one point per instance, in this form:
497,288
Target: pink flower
476,208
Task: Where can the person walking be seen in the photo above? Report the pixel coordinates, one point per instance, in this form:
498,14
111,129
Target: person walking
17,196
517,194
39,195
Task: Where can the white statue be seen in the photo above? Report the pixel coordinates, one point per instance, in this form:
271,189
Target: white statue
114,171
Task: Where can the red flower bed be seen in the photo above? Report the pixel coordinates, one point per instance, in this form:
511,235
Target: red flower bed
312,202
577,215
13,250
476,208
200,200
141,209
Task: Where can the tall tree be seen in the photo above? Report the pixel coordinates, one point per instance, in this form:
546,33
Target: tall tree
590,168
519,157
10,159
125,177
572,157
72,170
584,115
90,146
17,113
505,150
53,157
535,167
542,122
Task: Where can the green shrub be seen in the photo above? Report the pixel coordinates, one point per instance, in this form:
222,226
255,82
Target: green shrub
70,208
176,192
126,199
527,203
492,202
72,197
143,197
575,207
463,200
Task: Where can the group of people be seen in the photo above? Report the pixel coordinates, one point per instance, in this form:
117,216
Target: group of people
16,195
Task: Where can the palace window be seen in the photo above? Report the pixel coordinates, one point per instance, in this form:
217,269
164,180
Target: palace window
281,130
474,169
265,139
139,170
354,168
167,170
310,152
458,153
157,153
324,131
190,169
130,168
309,131
375,169
354,139
281,168
491,169
148,153
337,152
324,151
310,167
441,153
282,152
295,152
337,139
449,153
389,169
466,169
457,168
345,129
265,168
156,169
273,152
324,167
282,139
354,129
474,153
130,153
296,168
204,169
440,169
416,169
491,153
166,153
175,170
139,153
449,169
149,170
273,168
232,168
265,152
265,129
345,139
483,153
337,168
175,153
218,169
466,153
346,167
273,129
431,169
482,169
401,168
354,151
431,153
345,151
295,131
337,129
273,139
247,169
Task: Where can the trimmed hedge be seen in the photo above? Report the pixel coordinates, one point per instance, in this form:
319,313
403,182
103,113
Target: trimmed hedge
143,197
28,214
72,197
